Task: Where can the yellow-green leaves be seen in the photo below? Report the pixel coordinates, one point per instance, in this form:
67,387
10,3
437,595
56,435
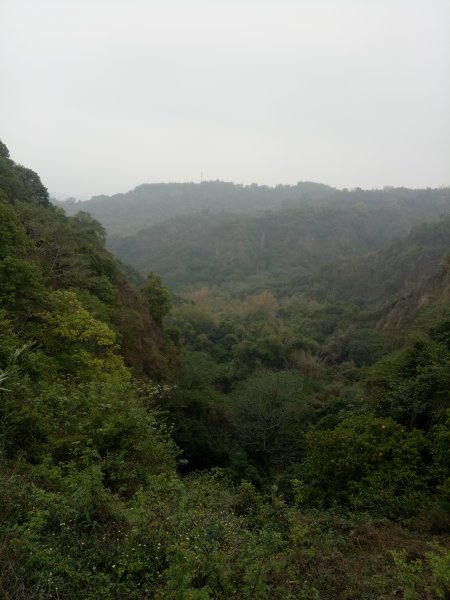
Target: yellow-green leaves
73,323
77,339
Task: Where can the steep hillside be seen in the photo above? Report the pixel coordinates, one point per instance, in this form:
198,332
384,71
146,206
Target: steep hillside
43,250
398,270
430,295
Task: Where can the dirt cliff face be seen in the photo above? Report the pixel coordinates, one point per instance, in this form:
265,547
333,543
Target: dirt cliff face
434,291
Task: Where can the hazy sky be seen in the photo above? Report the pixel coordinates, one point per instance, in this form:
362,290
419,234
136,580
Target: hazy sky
99,96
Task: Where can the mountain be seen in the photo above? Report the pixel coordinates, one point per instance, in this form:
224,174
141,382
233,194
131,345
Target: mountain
257,443
43,249
148,204
397,269
275,246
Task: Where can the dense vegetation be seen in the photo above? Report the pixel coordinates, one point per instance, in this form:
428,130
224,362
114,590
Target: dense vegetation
125,214
245,244
250,438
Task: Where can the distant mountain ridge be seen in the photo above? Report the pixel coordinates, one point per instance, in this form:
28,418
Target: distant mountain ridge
149,204
379,250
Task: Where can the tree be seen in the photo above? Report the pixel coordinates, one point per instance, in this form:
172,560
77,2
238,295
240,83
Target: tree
4,150
365,463
270,413
157,296
80,344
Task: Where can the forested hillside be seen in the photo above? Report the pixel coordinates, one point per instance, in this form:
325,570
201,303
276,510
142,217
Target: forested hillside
215,249
125,214
275,426
148,204
402,266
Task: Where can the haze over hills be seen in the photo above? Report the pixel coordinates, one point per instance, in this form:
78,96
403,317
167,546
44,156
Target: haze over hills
147,204
380,252
374,250
127,213
394,283
211,390
403,265
285,351
219,233
197,249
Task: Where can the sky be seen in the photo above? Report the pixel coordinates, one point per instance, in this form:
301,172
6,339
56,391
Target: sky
99,96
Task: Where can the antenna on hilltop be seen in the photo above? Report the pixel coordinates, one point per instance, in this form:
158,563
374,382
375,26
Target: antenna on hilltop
201,176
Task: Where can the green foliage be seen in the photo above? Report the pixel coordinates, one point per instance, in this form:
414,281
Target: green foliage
70,251
19,183
4,152
148,204
13,238
196,412
157,296
270,385
413,384
402,268
289,245
79,343
430,576
74,455
270,413
363,346
21,286
366,463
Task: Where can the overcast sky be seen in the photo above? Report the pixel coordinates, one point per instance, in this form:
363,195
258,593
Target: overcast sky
99,96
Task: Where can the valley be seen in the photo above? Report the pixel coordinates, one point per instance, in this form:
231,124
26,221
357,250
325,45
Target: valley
221,391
